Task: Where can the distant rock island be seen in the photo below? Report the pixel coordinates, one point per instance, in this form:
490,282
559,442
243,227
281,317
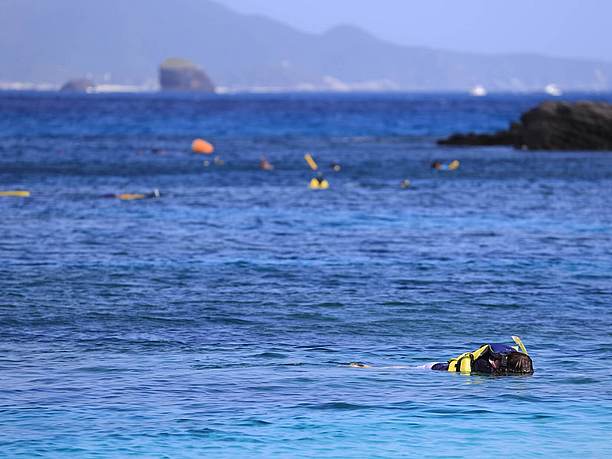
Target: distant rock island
182,75
551,126
260,54
78,85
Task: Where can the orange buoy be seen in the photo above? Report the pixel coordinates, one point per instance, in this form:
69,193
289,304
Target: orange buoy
201,146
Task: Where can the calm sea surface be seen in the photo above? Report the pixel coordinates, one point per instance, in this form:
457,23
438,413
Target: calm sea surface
218,320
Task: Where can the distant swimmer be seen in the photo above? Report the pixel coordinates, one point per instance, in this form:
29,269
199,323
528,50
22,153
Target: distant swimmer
134,196
494,358
358,365
217,161
265,165
318,183
452,166
405,184
335,166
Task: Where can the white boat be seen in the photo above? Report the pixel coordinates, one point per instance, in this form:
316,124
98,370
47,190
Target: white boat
478,91
553,90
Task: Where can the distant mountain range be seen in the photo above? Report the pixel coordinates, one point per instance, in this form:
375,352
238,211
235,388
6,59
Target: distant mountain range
124,41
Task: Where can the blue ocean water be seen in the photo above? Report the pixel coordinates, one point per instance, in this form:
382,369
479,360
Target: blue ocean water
220,319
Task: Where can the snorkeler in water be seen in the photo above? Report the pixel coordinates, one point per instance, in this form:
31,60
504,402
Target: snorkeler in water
497,359
452,166
133,196
265,165
318,183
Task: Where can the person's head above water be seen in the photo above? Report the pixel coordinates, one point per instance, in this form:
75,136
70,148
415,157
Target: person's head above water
519,363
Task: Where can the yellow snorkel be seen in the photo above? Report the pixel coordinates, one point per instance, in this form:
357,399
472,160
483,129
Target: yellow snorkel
520,344
311,162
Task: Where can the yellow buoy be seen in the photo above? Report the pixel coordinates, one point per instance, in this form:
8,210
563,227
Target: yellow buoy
201,146
15,194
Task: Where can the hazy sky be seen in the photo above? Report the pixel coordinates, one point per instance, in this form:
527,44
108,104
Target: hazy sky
575,28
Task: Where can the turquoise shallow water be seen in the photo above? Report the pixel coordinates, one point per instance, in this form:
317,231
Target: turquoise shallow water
219,320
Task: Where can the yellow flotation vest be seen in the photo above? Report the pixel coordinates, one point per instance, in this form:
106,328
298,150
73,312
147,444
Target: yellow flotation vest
318,184
465,361
454,165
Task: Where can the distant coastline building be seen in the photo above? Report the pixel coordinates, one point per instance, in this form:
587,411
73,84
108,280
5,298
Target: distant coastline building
182,75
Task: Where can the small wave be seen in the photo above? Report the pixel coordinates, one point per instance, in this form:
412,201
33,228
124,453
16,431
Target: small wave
204,432
271,355
317,348
336,406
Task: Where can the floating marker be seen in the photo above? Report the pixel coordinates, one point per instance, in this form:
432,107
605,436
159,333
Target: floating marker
203,147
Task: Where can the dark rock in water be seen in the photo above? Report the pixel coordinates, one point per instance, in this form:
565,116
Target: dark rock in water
564,126
78,85
551,126
182,75
508,137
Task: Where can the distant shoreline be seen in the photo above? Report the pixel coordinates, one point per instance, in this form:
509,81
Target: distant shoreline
31,88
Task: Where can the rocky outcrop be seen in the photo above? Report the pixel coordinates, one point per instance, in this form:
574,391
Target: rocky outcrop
551,126
78,85
182,75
